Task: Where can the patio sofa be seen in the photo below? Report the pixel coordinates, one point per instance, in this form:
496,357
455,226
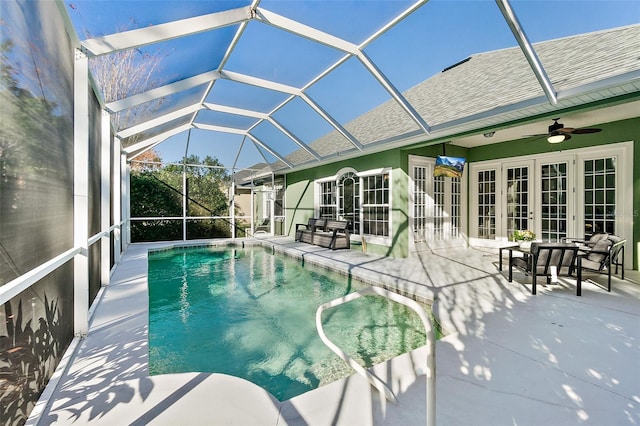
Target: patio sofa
326,233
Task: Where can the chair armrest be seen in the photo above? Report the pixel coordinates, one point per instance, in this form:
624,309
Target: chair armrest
577,241
604,252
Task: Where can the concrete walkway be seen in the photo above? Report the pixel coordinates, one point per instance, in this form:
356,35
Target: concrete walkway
509,358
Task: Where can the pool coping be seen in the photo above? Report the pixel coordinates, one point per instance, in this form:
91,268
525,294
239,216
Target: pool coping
493,321
404,367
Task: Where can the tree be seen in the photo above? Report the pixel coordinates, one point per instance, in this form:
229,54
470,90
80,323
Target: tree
207,185
160,193
124,73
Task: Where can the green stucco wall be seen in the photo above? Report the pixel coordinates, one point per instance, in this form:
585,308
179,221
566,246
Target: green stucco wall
299,204
615,132
636,202
300,188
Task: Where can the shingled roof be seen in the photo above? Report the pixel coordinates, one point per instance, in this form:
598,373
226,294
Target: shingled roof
495,87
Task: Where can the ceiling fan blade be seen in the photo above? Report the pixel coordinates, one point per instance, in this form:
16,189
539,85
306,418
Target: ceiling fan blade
566,130
584,131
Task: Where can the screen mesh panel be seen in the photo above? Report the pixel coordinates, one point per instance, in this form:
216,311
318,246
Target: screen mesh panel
95,176
36,212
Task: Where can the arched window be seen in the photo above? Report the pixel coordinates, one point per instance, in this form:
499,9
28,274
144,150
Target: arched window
362,198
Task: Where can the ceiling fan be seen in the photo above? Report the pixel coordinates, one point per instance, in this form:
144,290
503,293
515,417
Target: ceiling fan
558,133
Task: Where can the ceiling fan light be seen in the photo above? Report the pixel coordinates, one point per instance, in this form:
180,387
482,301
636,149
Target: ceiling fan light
557,138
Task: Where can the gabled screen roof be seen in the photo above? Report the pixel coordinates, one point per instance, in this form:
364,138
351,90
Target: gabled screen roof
294,83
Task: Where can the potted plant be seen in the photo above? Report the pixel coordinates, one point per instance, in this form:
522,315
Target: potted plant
524,238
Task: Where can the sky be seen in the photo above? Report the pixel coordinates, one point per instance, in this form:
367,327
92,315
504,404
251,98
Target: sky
437,35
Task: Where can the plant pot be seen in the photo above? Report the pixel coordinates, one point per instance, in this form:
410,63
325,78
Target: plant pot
525,244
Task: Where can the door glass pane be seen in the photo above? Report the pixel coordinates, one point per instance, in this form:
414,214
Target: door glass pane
438,208
599,196
456,206
486,204
419,203
554,201
517,200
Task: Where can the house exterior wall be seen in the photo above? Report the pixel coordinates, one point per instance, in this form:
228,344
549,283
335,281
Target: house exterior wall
615,132
300,185
299,206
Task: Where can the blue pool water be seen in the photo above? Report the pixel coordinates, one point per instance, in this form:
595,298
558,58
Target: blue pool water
251,314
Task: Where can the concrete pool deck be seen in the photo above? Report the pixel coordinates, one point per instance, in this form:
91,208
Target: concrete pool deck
509,357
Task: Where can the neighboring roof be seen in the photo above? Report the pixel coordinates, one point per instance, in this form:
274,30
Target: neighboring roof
245,175
501,84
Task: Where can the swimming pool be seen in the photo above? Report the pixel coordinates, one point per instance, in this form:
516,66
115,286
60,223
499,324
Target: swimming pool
251,314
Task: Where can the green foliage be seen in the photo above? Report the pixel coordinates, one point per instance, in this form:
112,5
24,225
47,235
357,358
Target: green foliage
159,193
525,235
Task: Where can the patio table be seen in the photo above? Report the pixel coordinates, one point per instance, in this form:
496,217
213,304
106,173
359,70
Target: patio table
511,248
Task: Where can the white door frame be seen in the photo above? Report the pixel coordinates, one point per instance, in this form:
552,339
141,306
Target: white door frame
429,164
623,152
532,213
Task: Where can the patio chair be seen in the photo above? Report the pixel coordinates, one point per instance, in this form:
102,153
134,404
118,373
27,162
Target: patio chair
265,226
549,259
602,257
584,244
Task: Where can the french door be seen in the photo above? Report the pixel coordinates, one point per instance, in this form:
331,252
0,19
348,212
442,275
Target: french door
554,209
529,195
517,197
562,194
436,206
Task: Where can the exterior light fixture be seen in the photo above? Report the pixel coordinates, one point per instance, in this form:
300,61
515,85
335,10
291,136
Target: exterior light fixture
557,137
488,134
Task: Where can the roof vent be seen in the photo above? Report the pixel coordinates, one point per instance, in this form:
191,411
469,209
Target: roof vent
456,64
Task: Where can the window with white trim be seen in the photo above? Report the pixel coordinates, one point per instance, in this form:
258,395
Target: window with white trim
328,199
361,198
375,205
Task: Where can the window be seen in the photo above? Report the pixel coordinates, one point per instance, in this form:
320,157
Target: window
375,205
420,197
328,207
360,198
